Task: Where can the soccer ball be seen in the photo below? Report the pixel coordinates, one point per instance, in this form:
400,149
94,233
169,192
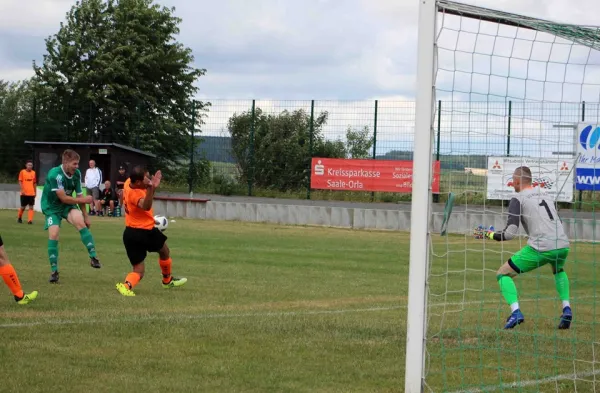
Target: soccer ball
161,222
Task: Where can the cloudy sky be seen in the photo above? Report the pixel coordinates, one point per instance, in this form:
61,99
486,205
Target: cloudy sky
281,49
352,52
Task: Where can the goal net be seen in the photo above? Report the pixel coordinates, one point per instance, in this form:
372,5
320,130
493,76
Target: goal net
497,91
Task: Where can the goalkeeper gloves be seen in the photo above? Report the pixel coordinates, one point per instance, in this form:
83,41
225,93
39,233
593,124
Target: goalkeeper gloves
480,232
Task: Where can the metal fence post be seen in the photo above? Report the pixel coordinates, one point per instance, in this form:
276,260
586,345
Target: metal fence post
580,195
137,126
192,146
67,119
509,125
34,117
374,141
436,197
311,132
251,149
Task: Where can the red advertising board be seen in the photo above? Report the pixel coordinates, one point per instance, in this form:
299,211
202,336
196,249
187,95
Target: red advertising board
366,175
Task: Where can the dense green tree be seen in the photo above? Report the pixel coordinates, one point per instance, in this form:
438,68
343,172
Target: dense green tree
114,72
274,151
359,142
16,125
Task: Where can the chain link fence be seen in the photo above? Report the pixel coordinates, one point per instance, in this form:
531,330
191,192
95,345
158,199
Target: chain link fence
264,147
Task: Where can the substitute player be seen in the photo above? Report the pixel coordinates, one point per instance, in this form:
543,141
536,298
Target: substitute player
140,235
9,275
547,245
28,183
58,204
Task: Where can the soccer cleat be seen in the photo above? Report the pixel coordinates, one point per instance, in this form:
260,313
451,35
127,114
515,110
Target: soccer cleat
175,282
20,220
514,319
123,290
565,318
95,263
27,298
53,278
29,222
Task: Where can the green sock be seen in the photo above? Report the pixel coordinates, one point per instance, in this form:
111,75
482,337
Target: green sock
53,254
88,241
562,285
508,289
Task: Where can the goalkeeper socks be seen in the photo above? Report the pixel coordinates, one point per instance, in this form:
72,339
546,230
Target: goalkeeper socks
9,275
509,291
53,254
88,241
562,287
165,267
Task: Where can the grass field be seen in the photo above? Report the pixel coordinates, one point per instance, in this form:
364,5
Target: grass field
284,309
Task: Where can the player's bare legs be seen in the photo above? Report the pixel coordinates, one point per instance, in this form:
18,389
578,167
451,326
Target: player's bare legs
11,279
82,224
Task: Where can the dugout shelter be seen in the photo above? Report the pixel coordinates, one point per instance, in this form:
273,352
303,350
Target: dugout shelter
108,157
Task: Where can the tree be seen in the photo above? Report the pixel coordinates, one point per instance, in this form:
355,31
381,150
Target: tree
114,72
358,142
274,150
16,125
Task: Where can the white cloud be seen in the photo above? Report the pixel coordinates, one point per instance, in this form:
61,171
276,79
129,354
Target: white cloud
359,51
33,17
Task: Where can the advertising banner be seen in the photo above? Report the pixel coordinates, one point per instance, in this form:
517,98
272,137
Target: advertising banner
550,174
366,175
588,165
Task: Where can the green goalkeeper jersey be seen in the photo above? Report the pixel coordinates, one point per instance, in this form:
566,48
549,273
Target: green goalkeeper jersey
56,180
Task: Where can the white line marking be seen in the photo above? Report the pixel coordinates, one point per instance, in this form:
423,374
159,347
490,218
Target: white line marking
532,382
195,316
252,314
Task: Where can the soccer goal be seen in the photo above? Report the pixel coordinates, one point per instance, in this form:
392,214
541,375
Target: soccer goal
497,91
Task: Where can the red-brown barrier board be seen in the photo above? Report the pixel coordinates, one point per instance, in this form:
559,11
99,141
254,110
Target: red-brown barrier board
366,175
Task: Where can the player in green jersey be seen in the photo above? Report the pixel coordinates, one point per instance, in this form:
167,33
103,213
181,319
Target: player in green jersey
58,204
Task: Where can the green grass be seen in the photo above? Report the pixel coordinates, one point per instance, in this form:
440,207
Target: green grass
272,308
266,309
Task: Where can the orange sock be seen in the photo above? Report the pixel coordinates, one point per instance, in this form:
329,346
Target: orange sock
9,275
132,279
20,215
30,213
165,267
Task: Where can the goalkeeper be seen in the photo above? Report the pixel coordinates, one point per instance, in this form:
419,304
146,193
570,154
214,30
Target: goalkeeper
547,245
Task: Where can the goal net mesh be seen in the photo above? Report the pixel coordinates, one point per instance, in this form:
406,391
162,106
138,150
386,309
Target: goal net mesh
510,90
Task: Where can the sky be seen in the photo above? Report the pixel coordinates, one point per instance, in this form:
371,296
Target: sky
349,52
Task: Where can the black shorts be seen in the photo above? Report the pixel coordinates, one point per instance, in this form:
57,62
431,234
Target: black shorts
139,242
1,242
27,200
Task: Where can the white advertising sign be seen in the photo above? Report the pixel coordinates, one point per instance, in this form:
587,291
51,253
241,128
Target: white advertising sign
550,174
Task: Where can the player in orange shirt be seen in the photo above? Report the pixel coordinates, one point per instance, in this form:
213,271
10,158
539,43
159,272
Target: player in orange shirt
28,183
140,235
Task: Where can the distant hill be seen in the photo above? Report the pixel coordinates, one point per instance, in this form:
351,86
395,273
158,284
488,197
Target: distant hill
448,161
215,148
218,149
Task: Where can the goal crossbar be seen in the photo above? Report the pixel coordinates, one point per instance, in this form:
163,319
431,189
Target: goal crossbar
584,35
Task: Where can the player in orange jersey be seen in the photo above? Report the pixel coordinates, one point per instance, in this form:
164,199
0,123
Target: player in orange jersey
9,275
28,183
140,235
